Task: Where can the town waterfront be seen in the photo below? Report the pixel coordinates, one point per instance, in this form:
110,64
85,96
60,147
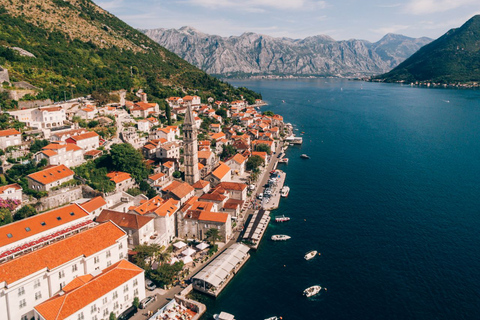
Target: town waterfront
390,197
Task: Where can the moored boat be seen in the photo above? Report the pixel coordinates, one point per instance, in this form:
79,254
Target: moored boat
283,160
281,218
304,156
311,291
310,255
280,237
285,191
224,316
273,318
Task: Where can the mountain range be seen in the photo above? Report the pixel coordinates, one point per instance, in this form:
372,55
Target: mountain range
454,57
256,54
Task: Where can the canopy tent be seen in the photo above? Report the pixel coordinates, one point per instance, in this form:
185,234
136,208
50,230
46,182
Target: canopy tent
179,244
187,259
188,252
173,260
202,246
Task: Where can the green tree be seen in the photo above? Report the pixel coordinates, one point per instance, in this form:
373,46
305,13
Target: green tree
213,235
92,124
101,96
37,145
228,152
126,158
221,112
263,147
166,274
177,174
136,302
254,162
5,216
146,255
134,192
268,113
168,114
24,212
113,316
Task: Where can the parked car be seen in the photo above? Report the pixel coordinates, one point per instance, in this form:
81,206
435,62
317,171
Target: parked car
150,285
145,302
127,314
260,196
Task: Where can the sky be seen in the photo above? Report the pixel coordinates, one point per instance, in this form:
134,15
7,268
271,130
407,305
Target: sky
339,19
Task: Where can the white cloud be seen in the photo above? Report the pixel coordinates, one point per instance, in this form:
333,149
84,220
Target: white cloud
419,7
261,5
390,29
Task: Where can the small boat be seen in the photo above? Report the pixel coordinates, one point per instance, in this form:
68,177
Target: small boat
304,156
280,237
283,160
285,191
282,218
224,316
311,291
272,318
310,255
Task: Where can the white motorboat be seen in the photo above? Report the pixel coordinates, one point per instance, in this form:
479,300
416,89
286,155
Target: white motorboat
272,318
304,156
282,218
310,254
280,237
285,191
224,316
283,160
311,291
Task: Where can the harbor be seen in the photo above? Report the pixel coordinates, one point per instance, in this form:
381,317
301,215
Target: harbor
256,228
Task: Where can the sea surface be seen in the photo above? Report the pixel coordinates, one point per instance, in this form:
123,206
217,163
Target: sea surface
390,197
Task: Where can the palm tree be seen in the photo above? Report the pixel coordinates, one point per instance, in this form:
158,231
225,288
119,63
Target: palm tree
213,235
162,257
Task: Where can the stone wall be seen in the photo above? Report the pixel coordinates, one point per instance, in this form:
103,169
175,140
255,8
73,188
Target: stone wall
60,197
4,75
34,104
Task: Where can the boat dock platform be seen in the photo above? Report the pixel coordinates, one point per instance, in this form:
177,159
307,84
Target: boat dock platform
294,140
274,201
256,228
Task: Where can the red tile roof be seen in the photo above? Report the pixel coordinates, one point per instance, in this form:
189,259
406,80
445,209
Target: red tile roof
84,244
84,136
52,174
200,184
87,290
237,186
16,186
93,204
124,220
213,216
8,132
118,176
156,176
221,170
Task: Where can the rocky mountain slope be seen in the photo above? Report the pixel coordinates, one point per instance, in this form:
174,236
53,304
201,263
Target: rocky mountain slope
252,54
454,57
77,47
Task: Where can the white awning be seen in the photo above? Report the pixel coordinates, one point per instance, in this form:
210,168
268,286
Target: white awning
187,259
188,252
202,246
179,244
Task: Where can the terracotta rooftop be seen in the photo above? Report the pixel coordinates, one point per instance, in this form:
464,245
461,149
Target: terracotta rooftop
52,174
84,136
221,170
156,176
149,205
213,196
233,204
124,220
179,189
200,184
204,154
118,176
238,158
93,204
169,207
83,244
8,132
15,186
80,293
237,186
213,216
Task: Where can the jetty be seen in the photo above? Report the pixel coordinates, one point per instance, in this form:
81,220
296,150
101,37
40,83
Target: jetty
273,201
294,140
256,228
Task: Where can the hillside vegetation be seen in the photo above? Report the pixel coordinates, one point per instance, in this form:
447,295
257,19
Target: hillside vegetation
454,57
80,48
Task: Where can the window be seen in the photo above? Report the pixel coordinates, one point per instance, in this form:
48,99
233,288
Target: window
59,218
9,235
96,259
120,256
105,312
61,274
38,295
126,298
24,317
23,303
135,282
109,254
36,284
120,246
80,316
94,317
72,213
21,291
105,300
43,223
74,268
115,295
125,288
135,292
27,229
115,305
109,263
62,285
93,308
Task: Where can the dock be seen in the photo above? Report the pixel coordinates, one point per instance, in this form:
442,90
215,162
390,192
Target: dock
256,228
273,202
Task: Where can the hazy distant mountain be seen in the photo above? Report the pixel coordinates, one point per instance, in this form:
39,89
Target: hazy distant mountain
255,54
454,57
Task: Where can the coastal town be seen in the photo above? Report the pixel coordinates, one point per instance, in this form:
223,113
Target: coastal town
119,210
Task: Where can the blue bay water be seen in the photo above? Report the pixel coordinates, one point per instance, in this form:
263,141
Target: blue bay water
390,197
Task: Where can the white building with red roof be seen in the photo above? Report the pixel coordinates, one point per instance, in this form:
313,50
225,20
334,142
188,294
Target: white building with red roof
11,191
88,113
86,141
49,178
68,154
123,181
97,294
237,164
10,137
31,279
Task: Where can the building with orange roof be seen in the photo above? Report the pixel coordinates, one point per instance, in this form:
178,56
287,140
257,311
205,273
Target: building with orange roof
31,233
168,150
144,125
139,228
65,134
237,190
196,224
193,101
10,137
33,278
98,293
158,180
201,187
149,150
180,191
86,141
49,178
11,191
123,181
88,113
144,109
237,164
94,206
262,155
169,168
68,154
217,136
220,174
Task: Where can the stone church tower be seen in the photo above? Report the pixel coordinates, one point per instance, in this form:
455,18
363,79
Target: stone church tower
190,148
